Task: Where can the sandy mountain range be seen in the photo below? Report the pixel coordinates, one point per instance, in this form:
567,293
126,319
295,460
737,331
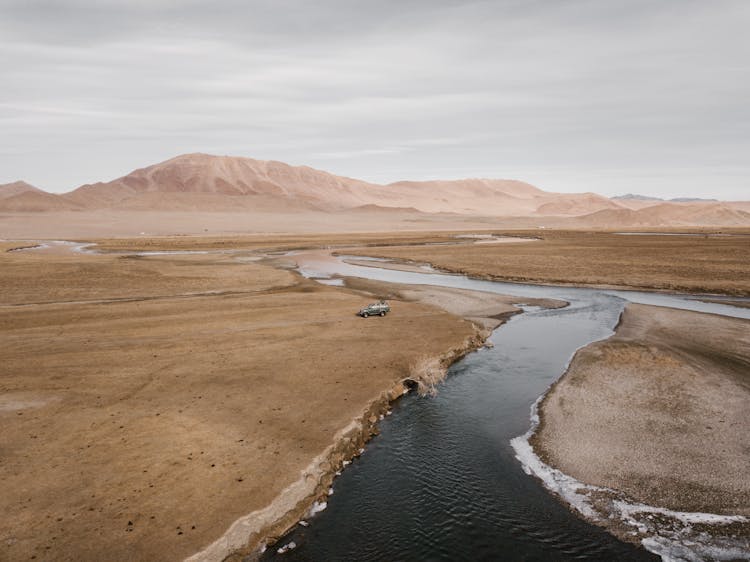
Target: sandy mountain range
202,182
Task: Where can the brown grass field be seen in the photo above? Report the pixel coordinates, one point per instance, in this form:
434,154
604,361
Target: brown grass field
147,403
273,242
699,263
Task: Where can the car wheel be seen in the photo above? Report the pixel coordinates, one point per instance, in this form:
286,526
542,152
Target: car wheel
382,313
364,315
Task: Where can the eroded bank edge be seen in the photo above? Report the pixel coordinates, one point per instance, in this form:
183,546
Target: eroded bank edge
247,536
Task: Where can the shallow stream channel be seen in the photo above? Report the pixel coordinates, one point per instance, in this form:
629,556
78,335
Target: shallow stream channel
450,477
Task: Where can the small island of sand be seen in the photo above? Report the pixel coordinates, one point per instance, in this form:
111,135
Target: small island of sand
658,415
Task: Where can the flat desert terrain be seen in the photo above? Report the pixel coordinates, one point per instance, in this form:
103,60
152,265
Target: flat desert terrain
109,223
149,402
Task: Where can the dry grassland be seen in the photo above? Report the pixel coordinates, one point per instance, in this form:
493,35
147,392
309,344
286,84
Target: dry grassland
142,414
271,242
703,264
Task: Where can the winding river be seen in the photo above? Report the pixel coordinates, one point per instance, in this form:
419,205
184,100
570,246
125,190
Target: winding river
442,481
448,478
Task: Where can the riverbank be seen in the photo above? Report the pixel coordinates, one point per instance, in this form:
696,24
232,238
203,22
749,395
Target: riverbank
656,416
690,263
249,535
148,403
487,310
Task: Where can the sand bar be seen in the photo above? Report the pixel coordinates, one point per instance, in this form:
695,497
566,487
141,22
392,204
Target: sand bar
657,412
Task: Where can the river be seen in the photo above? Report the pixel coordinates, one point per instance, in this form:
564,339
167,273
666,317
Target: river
443,481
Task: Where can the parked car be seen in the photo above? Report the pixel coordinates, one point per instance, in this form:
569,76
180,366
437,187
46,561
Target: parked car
380,308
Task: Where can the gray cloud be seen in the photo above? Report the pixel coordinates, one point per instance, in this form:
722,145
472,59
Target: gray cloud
581,95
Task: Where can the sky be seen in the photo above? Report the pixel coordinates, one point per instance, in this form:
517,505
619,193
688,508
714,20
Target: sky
649,97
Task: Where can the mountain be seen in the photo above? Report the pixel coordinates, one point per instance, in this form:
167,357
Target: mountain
636,202
224,181
22,197
691,200
16,188
575,204
205,183
37,202
634,196
666,214
218,183
468,196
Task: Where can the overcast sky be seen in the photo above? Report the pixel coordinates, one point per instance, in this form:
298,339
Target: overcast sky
610,96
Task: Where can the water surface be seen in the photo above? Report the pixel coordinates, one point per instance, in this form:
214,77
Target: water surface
441,481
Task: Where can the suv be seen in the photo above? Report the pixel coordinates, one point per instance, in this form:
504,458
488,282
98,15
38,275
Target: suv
375,309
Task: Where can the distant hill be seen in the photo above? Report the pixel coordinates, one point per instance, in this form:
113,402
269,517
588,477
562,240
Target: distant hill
631,196
22,197
35,202
218,183
690,200
635,197
16,188
221,181
666,214
207,183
